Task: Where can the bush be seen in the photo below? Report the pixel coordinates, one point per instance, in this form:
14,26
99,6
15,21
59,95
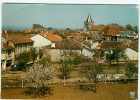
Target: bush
22,60
40,91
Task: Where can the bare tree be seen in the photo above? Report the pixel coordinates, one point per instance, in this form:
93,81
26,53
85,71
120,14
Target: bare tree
39,76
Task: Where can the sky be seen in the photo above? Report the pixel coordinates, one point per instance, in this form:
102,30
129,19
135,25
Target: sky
21,16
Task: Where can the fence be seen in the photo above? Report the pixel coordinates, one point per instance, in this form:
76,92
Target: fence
14,83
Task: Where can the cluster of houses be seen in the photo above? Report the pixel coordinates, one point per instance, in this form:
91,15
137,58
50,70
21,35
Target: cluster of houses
92,38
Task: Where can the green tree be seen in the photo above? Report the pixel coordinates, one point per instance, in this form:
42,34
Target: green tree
109,56
129,27
23,58
92,71
45,61
115,54
135,29
131,69
33,54
65,68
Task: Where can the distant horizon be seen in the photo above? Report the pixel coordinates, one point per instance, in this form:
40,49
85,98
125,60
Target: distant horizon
61,16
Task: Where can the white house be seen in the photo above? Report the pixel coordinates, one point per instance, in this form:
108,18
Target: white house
87,53
89,47
40,41
45,39
131,54
12,46
63,48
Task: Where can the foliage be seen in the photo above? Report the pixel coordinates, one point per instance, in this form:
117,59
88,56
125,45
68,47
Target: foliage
39,76
131,69
77,60
115,54
93,70
40,53
22,60
45,61
109,56
42,91
129,27
132,28
33,54
65,68
135,29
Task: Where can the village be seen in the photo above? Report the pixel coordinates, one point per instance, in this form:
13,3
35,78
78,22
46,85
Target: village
87,57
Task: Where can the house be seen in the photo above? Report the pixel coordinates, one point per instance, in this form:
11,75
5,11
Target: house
79,36
63,48
131,54
88,52
89,48
40,41
20,42
128,35
45,39
7,55
14,45
110,33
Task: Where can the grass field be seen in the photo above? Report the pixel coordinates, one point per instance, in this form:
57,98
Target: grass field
104,92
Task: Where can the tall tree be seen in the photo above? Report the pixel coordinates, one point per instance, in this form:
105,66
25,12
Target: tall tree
92,71
131,70
129,27
23,58
33,54
45,61
115,54
65,68
135,29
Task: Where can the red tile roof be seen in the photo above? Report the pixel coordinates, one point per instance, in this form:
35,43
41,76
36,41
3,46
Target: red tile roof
68,44
19,38
111,30
109,44
51,36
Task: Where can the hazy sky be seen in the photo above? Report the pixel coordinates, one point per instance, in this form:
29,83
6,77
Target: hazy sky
62,16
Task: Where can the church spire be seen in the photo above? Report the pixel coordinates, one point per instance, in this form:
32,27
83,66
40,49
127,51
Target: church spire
88,24
89,19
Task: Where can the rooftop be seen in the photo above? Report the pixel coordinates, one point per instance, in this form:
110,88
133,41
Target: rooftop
51,36
68,44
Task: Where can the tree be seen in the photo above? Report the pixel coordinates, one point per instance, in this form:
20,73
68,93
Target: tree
129,27
109,56
92,71
22,60
40,53
65,68
115,54
135,29
130,70
33,54
45,61
39,76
